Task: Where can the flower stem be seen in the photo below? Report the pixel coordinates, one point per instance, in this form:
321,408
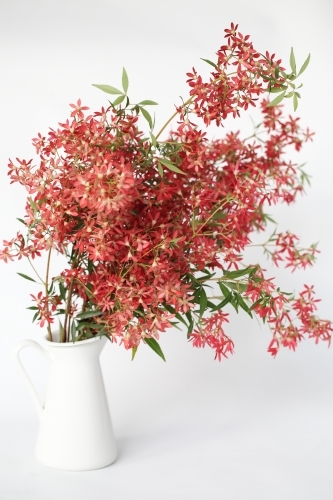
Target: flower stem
173,116
68,307
46,289
31,264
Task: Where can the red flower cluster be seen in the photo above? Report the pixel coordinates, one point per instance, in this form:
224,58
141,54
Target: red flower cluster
228,92
143,223
288,332
286,250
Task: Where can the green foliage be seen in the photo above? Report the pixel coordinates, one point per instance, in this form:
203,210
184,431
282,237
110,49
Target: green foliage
62,291
124,80
88,314
147,116
147,102
209,62
173,311
108,89
292,61
277,99
119,100
26,277
170,166
276,87
304,65
153,139
155,346
134,350
203,301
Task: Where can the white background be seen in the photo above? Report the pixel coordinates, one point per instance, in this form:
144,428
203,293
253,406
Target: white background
250,427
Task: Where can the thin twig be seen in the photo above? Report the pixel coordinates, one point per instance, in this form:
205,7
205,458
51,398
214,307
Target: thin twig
68,307
35,271
173,116
46,289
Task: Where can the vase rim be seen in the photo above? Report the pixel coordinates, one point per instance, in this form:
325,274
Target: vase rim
68,344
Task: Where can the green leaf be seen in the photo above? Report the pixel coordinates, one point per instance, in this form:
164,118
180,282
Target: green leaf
223,289
155,346
193,279
73,331
175,324
108,89
88,334
33,308
124,80
153,139
173,311
209,62
295,102
208,273
239,287
148,102
171,166
160,169
203,301
21,220
27,277
61,330
255,268
102,333
268,217
79,337
62,291
33,205
234,302
85,324
276,72
292,61
244,305
276,90
118,100
134,349
88,314
60,311
35,316
190,321
255,304
196,296
304,65
90,266
277,99
147,116
223,303
238,273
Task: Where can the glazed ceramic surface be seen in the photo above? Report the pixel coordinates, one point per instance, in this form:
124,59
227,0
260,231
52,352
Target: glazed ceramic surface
75,432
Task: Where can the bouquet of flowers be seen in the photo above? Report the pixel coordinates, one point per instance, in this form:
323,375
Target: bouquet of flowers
147,225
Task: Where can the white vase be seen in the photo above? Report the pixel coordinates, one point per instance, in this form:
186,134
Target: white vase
75,432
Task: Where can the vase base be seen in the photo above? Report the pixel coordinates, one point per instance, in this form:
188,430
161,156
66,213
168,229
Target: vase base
77,467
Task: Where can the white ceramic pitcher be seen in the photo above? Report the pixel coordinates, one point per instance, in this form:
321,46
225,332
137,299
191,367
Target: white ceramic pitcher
75,431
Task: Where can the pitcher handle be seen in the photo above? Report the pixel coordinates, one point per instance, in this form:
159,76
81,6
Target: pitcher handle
21,369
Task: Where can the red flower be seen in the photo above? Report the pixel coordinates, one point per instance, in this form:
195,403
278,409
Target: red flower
145,226
78,110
